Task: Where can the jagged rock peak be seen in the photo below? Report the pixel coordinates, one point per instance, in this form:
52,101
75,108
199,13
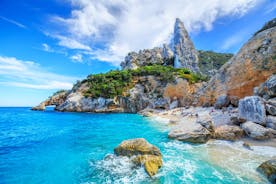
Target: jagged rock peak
185,54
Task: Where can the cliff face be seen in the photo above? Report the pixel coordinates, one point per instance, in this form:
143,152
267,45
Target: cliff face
165,87
161,56
250,67
185,54
182,54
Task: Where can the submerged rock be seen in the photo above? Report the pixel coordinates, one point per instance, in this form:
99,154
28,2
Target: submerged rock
268,168
228,132
143,153
194,133
252,108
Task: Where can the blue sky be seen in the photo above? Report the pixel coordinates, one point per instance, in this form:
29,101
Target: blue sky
48,45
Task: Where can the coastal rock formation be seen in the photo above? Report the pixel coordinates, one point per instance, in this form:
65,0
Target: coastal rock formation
185,54
222,101
194,133
145,57
228,132
271,122
252,108
256,131
56,99
267,89
142,153
251,66
268,168
182,54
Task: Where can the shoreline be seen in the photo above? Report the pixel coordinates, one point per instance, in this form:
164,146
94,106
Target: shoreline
175,117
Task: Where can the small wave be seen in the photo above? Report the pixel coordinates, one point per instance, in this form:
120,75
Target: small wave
114,169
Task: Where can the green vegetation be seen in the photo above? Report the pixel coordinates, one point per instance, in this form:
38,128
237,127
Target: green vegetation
59,91
115,82
209,60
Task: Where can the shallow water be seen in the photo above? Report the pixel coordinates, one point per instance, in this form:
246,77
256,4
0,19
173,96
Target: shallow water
54,147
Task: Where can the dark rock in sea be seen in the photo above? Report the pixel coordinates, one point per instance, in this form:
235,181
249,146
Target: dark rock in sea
142,153
268,168
252,108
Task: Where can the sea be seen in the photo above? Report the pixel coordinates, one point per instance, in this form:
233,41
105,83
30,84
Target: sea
38,147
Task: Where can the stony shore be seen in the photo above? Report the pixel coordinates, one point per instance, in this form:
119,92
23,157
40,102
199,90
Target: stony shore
183,117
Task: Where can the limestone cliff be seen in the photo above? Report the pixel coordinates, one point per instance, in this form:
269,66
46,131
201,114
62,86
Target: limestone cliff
182,53
185,54
251,66
165,87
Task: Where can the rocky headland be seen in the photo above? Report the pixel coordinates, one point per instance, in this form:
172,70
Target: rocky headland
199,100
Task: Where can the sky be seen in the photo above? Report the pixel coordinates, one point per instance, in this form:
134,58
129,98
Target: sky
48,45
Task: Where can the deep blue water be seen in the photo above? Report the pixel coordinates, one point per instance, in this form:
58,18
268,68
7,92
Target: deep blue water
55,147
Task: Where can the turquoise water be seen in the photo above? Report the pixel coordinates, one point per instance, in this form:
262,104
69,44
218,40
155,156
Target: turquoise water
54,147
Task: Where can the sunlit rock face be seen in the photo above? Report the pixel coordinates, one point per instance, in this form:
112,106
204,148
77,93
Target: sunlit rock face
185,54
180,54
251,66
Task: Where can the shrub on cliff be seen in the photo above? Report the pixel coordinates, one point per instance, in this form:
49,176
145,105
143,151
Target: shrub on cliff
115,82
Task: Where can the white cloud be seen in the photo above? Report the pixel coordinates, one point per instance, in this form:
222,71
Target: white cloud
71,43
13,22
120,26
234,40
77,58
46,47
28,74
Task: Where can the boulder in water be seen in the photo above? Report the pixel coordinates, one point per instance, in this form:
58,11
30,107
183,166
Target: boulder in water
143,153
268,168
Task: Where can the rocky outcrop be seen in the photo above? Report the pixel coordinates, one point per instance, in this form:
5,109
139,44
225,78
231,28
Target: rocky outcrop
160,56
56,99
142,153
268,88
182,53
268,168
251,66
194,132
222,101
228,132
256,131
271,122
252,108
185,54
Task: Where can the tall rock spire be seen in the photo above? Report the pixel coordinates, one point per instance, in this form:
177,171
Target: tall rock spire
185,54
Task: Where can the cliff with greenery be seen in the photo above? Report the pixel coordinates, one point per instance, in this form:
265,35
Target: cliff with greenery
210,62
114,83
